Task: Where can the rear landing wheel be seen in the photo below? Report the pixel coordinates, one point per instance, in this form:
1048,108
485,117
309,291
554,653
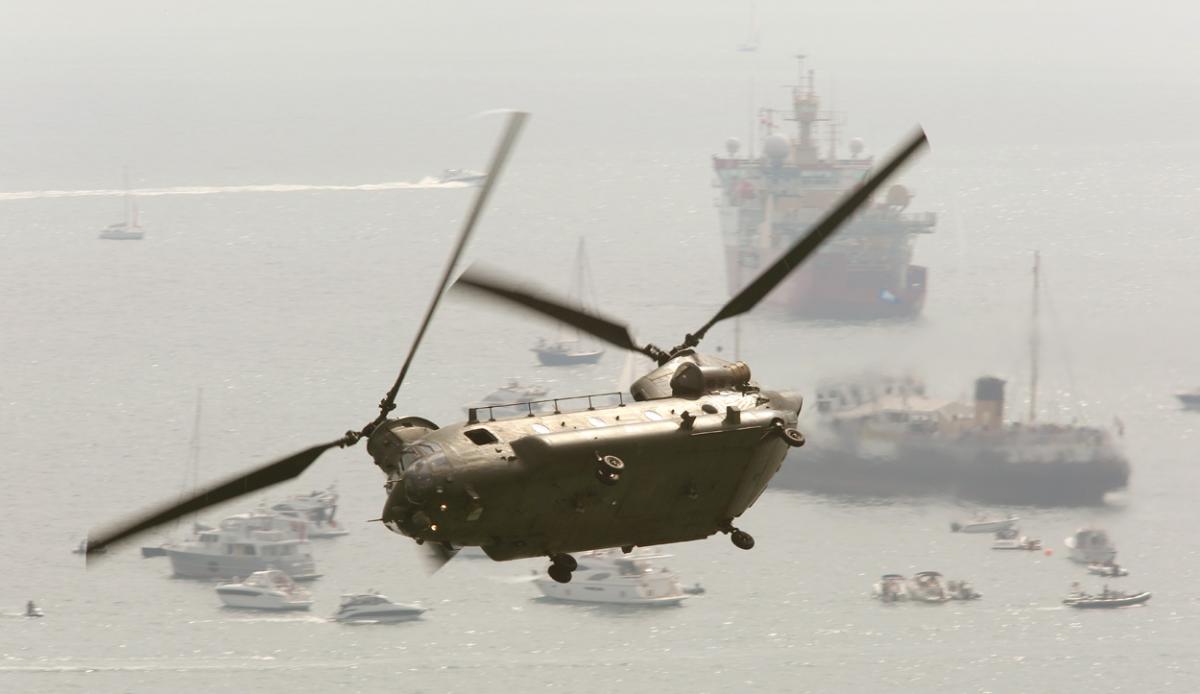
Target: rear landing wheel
560,573
741,539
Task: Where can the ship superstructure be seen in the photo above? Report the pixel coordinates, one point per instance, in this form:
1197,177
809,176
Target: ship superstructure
767,202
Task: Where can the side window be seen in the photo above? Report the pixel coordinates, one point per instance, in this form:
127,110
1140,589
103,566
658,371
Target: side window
480,436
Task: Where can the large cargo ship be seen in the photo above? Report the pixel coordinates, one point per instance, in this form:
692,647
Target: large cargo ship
767,202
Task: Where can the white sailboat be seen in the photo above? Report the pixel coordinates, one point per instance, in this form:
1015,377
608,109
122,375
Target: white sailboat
130,229
569,349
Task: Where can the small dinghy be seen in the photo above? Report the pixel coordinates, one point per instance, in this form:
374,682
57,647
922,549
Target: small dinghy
1108,570
1108,599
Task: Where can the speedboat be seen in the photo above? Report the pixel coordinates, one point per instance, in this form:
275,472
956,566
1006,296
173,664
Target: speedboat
243,544
984,525
373,608
1091,546
1190,399
890,588
610,576
928,587
1010,538
467,176
265,590
1110,570
1107,599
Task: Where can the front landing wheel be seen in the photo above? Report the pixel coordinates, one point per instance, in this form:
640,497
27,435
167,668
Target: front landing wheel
559,573
742,539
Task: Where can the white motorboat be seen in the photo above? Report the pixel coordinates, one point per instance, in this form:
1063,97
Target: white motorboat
373,608
891,588
984,525
467,176
316,510
243,544
612,577
1107,599
928,587
1091,546
265,590
1011,538
1109,570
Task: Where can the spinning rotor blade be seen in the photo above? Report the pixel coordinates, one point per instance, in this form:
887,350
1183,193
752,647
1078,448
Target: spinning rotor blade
515,123
754,292
605,329
437,554
265,476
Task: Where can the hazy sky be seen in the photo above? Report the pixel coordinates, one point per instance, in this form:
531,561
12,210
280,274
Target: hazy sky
283,89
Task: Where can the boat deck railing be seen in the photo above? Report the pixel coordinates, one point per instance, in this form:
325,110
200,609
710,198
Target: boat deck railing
532,410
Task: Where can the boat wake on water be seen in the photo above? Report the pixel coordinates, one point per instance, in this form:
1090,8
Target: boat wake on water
426,183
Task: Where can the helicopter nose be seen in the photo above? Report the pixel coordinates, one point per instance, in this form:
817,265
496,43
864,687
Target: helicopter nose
788,400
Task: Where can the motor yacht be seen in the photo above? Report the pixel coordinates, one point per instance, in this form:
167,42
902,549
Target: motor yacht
265,590
373,608
316,510
241,545
1091,546
610,576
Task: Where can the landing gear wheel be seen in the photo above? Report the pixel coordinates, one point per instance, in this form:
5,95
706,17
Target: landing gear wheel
564,560
742,539
559,573
792,437
608,469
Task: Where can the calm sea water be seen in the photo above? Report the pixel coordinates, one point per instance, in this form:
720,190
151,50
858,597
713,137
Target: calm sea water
294,310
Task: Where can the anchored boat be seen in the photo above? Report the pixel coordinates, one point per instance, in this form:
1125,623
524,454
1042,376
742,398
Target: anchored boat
265,590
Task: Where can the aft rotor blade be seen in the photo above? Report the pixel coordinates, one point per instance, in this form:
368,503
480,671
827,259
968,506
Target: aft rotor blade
265,476
605,329
754,292
515,122
437,554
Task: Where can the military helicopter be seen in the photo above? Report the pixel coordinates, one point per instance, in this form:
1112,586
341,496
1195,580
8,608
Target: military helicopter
690,453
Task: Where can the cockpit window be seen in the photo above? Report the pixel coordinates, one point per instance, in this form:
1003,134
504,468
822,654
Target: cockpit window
596,421
652,416
480,436
540,428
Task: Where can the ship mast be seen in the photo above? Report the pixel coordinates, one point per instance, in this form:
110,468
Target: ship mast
1034,342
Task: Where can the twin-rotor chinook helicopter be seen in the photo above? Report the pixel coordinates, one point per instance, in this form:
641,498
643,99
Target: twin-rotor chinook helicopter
691,452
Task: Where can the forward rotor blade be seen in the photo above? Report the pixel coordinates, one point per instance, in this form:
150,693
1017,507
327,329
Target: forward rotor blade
605,329
515,122
754,292
265,476
437,554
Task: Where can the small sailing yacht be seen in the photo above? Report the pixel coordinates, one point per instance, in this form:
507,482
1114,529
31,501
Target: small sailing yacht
129,229
568,349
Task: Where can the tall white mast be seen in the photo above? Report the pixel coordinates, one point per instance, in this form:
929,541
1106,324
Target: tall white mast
1034,342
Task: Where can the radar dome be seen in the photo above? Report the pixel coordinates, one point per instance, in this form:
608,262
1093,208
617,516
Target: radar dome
732,145
777,148
856,146
898,196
